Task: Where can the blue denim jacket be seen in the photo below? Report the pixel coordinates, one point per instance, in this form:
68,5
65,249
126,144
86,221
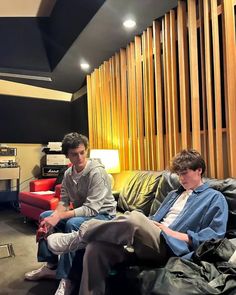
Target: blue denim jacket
204,217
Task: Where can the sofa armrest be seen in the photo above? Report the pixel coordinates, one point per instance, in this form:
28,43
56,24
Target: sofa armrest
116,195
42,184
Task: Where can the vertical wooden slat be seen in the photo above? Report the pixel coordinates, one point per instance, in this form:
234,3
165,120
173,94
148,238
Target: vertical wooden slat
169,114
203,83
90,110
107,102
103,108
98,109
139,90
217,87
194,81
165,81
121,100
159,94
146,101
124,141
94,118
230,80
133,108
174,98
211,145
151,109
113,102
183,75
129,102
118,101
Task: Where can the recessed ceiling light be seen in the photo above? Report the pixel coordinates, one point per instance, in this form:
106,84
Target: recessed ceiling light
84,66
129,23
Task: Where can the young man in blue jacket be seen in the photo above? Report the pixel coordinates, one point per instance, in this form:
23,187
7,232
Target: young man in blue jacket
188,216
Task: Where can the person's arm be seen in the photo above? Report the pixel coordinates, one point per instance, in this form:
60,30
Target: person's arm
214,223
172,233
99,188
61,212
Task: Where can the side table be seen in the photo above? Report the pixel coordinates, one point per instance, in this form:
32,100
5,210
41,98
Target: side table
10,185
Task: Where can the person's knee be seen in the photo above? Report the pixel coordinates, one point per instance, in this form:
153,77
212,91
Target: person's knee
45,214
94,248
136,217
73,224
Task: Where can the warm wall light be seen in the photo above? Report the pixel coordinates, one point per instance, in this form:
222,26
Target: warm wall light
109,158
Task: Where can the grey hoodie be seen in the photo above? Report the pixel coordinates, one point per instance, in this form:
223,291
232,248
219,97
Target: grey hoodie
91,194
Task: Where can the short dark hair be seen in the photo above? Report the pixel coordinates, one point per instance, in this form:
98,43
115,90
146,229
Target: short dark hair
187,159
72,141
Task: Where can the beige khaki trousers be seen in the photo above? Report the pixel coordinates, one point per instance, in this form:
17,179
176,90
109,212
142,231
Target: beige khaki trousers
105,247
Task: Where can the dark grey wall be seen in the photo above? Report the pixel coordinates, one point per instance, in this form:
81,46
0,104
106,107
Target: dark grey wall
31,120
79,115
63,28
22,46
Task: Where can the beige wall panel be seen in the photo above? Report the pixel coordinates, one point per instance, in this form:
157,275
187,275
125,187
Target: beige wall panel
28,158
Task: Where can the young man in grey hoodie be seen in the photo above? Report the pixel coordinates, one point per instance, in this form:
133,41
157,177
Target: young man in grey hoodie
86,185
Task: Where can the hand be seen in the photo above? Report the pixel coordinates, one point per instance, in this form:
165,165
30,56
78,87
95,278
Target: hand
164,228
172,233
50,221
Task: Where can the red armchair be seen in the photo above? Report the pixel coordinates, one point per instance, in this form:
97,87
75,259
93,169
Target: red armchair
32,203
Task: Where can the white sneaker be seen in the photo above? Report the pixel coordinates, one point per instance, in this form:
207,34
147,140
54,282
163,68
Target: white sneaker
42,273
65,287
60,243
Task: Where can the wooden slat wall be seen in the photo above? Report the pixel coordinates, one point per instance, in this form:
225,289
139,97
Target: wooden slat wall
170,90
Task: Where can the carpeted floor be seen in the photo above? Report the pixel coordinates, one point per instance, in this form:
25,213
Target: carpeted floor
22,237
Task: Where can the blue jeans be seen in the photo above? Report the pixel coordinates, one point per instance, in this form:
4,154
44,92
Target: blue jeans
66,226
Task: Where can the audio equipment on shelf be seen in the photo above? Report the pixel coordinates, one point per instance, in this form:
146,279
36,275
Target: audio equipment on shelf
7,151
8,164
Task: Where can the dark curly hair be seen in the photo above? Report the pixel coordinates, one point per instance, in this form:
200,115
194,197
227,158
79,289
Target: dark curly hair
187,159
72,141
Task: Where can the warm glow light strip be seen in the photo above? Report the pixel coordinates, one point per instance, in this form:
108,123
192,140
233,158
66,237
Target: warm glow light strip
18,89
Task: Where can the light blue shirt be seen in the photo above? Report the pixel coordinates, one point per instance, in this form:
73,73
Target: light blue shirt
204,217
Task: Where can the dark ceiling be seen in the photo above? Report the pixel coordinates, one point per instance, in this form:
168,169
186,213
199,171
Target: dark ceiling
77,30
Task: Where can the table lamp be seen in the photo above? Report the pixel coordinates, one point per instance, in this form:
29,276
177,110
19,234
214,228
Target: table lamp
109,158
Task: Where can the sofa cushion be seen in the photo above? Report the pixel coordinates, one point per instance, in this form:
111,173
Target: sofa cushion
139,191
167,183
228,188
